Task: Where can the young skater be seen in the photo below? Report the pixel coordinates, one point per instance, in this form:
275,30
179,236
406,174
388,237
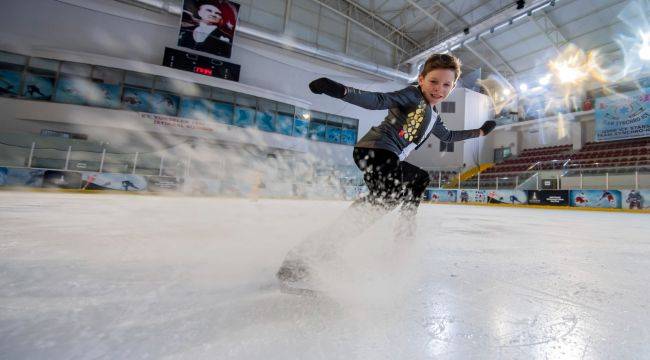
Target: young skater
380,155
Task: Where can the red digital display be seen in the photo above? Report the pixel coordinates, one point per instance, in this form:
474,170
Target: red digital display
203,71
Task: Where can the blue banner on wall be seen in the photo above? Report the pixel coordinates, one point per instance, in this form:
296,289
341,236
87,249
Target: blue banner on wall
635,199
9,83
441,196
21,177
244,117
507,197
137,99
82,91
596,198
223,113
333,134
623,116
110,181
300,127
196,108
38,87
284,124
348,137
265,120
317,131
165,103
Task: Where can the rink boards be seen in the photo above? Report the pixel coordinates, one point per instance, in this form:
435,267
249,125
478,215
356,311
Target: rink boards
134,183
602,199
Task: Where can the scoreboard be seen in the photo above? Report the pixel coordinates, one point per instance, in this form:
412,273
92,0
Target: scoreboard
199,64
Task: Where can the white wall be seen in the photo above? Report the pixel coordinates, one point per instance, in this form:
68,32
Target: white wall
507,139
477,111
589,131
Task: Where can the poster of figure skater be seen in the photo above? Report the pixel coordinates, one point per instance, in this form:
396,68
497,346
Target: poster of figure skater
208,26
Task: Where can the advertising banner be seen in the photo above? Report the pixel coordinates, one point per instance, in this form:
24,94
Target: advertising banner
111,181
61,179
349,136
223,113
21,177
300,127
333,134
284,124
163,183
244,116
38,87
142,100
176,122
596,198
623,116
441,196
635,199
473,196
78,90
265,120
548,197
208,26
165,103
137,99
507,197
9,83
195,108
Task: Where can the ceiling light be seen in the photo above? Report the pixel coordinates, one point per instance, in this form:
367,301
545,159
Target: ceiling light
544,80
644,51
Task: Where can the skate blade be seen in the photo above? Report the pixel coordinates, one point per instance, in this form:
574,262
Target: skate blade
287,289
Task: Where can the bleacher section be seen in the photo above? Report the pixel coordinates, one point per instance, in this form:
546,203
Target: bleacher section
548,158
612,156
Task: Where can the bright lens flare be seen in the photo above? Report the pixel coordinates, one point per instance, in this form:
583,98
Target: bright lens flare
568,74
502,96
644,52
574,66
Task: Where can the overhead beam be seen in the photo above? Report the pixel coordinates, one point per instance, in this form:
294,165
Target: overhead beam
371,23
509,72
548,28
479,56
416,20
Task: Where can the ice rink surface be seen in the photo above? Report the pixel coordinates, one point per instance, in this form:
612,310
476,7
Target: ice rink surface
132,277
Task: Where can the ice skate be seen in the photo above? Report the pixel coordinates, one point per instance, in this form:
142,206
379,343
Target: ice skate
295,277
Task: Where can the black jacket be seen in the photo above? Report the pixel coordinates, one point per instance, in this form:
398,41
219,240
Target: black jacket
408,118
213,44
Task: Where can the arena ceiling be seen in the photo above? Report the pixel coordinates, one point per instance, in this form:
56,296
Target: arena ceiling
510,42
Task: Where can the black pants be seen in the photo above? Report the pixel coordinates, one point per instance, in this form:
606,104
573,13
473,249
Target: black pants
390,181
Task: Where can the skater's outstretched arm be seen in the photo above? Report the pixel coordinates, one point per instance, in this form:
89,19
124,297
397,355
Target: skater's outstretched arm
446,135
408,96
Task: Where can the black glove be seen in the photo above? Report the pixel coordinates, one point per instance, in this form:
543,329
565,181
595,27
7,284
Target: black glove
488,126
327,87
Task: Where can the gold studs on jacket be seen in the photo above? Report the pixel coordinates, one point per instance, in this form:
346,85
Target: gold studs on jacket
414,120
